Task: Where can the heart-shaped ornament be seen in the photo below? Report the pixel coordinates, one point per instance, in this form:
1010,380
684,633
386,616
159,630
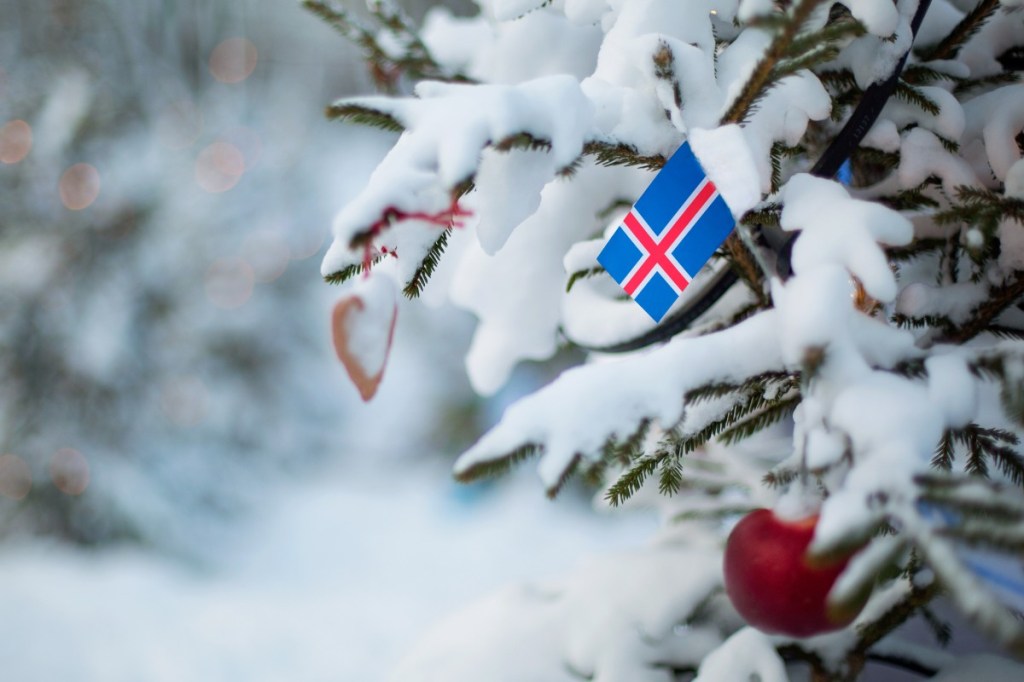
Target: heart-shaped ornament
362,328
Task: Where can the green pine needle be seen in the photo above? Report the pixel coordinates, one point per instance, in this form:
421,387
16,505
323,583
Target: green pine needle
582,274
497,467
631,481
363,115
347,273
427,266
911,95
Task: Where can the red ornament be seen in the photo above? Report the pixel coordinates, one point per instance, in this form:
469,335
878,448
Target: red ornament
348,319
773,585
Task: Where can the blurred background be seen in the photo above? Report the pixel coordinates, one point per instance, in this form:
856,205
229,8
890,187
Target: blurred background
190,488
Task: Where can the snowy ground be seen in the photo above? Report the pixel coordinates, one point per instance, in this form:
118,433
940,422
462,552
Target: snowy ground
332,581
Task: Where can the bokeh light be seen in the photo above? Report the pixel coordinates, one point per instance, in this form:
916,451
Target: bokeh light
79,186
233,60
179,124
219,167
15,477
69,471
229,283
248,142
15,141
268,254
307,242
183,400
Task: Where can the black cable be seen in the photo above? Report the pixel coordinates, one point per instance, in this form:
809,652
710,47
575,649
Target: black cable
860,122
904,662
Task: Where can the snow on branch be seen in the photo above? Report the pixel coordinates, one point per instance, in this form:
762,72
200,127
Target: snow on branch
573,417
446,127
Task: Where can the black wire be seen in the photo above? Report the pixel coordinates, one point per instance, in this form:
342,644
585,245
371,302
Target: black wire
904,662
860,122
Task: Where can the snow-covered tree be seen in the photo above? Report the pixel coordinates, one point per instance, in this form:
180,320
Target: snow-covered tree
154,341
851,358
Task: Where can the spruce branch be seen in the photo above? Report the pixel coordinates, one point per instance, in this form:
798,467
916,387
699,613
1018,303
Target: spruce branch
496,467
921,74
347,273
769,215
570,470
631,481
524,141
582,274
670,476
358,114
908,93
789,66
942,631
621,154
912,200
842,28
999,299
982,446
415,61
779,152
838,80
773,413
427,266
971,496
948,47
872,632
713,512
1004,332
981,207
1007,538
665,70
787,26
722,389
755,406
943,458
746,266
782,476
966,85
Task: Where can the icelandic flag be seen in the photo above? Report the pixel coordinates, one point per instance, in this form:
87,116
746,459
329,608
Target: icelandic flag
668,235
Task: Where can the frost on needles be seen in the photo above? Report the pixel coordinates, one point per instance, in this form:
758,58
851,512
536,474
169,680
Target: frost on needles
881,383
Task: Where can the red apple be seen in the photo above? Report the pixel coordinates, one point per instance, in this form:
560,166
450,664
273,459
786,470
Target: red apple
773,585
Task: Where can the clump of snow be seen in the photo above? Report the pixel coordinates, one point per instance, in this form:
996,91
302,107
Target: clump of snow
509,188
611,398
750,9
1014,180
879,17
447,127
454,41
923,155
948,123
519,316
952,387
725,157
559,631
956,301
842,230
991,122
511,55
747,654
874,56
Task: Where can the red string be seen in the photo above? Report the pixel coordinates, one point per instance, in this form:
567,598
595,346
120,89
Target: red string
449,217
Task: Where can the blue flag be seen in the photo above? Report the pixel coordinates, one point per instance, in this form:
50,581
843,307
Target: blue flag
668,235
